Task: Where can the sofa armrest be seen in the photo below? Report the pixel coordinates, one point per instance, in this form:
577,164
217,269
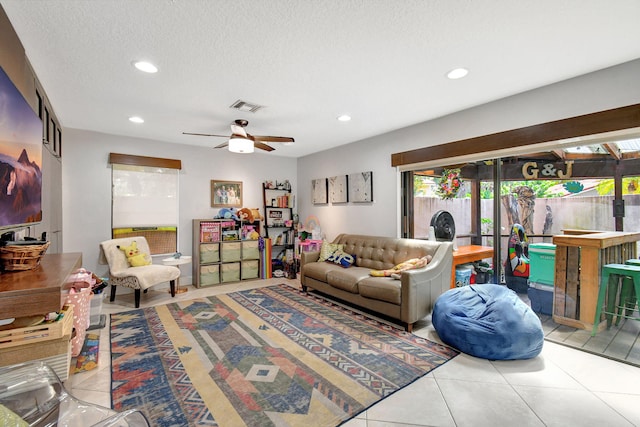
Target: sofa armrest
307,257
421,287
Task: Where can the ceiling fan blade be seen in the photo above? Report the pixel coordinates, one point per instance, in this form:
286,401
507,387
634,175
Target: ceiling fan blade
284,139
204,134
224,144
262,146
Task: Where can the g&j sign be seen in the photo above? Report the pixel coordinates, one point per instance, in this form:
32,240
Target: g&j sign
531,170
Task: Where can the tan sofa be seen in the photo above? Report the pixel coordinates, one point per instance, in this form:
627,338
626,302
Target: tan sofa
409,299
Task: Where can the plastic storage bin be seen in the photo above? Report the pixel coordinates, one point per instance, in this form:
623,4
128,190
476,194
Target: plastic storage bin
541,297
542,259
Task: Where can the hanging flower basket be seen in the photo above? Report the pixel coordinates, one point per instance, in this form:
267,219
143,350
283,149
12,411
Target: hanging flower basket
449,184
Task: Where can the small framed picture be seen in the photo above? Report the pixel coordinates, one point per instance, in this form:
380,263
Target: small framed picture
226,194
319,192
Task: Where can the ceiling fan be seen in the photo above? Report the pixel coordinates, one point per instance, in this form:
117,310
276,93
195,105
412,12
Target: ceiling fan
242,142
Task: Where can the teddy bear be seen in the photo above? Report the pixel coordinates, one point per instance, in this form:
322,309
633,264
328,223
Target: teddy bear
134,257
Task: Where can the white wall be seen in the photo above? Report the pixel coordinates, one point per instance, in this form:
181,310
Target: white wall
602,90
86,179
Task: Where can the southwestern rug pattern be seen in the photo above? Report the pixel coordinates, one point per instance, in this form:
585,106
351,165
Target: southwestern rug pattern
269,356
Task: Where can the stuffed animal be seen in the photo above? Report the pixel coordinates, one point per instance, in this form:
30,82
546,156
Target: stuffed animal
256,214
134,257
403,266
227,213
245,214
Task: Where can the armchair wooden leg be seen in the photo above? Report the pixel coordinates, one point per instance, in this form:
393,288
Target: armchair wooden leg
113,293
409,327
173,288
137,297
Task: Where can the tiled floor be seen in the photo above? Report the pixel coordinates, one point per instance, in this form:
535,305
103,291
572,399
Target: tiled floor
561,387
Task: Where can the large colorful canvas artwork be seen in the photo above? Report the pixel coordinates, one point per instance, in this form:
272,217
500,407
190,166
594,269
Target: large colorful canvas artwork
20,158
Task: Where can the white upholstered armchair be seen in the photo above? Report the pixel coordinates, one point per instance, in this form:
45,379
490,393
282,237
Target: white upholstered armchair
137,278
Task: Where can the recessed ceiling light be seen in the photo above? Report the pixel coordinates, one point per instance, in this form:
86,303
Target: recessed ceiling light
147,67
136,119
344,118
457,73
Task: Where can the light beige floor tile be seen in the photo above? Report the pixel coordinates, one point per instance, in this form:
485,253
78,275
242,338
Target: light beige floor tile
469,368
566,408
596,373
476,404
402,406
356,422
539,371
627,405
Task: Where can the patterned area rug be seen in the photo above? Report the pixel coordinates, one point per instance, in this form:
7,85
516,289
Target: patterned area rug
270,356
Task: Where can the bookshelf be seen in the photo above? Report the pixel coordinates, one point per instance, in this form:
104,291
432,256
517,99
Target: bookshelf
278,218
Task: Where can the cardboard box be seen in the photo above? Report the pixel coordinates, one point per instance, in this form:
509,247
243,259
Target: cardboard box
541,297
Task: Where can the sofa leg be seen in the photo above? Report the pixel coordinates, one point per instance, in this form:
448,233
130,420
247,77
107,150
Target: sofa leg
113,293
137,297
409,327
304,289
173,288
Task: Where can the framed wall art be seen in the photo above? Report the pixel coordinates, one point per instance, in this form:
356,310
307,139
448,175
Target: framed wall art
226,194
319,191
361,187
338,190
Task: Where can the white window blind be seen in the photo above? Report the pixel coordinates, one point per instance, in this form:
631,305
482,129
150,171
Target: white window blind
144,196
144,200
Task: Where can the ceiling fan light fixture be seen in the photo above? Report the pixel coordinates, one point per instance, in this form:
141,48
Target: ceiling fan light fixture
240,145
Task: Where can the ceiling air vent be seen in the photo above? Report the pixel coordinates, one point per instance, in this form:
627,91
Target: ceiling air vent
245,107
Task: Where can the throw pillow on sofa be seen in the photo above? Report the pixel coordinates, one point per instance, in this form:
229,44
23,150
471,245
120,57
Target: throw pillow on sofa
342,258
327,249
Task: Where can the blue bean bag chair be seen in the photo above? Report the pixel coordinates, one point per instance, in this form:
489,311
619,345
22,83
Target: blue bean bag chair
488,321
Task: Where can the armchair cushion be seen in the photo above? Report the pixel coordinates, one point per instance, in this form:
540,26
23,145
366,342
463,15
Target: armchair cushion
141,277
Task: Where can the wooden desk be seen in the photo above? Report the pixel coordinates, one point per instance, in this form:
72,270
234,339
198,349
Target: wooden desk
466,254
38,291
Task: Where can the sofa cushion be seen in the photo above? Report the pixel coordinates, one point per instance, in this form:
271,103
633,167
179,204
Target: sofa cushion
381,288
346,278
319,270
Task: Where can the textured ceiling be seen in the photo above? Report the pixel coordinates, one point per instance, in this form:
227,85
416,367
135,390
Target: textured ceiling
381,61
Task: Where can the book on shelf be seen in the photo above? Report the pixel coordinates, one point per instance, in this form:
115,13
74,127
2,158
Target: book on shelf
209,232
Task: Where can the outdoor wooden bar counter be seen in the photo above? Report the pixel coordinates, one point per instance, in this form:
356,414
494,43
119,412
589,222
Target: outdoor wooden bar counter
580,255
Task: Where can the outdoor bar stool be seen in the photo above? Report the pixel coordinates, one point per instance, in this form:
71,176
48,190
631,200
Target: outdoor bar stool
611,275
627,299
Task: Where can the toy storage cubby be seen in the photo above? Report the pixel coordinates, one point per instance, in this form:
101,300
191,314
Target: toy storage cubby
219,253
